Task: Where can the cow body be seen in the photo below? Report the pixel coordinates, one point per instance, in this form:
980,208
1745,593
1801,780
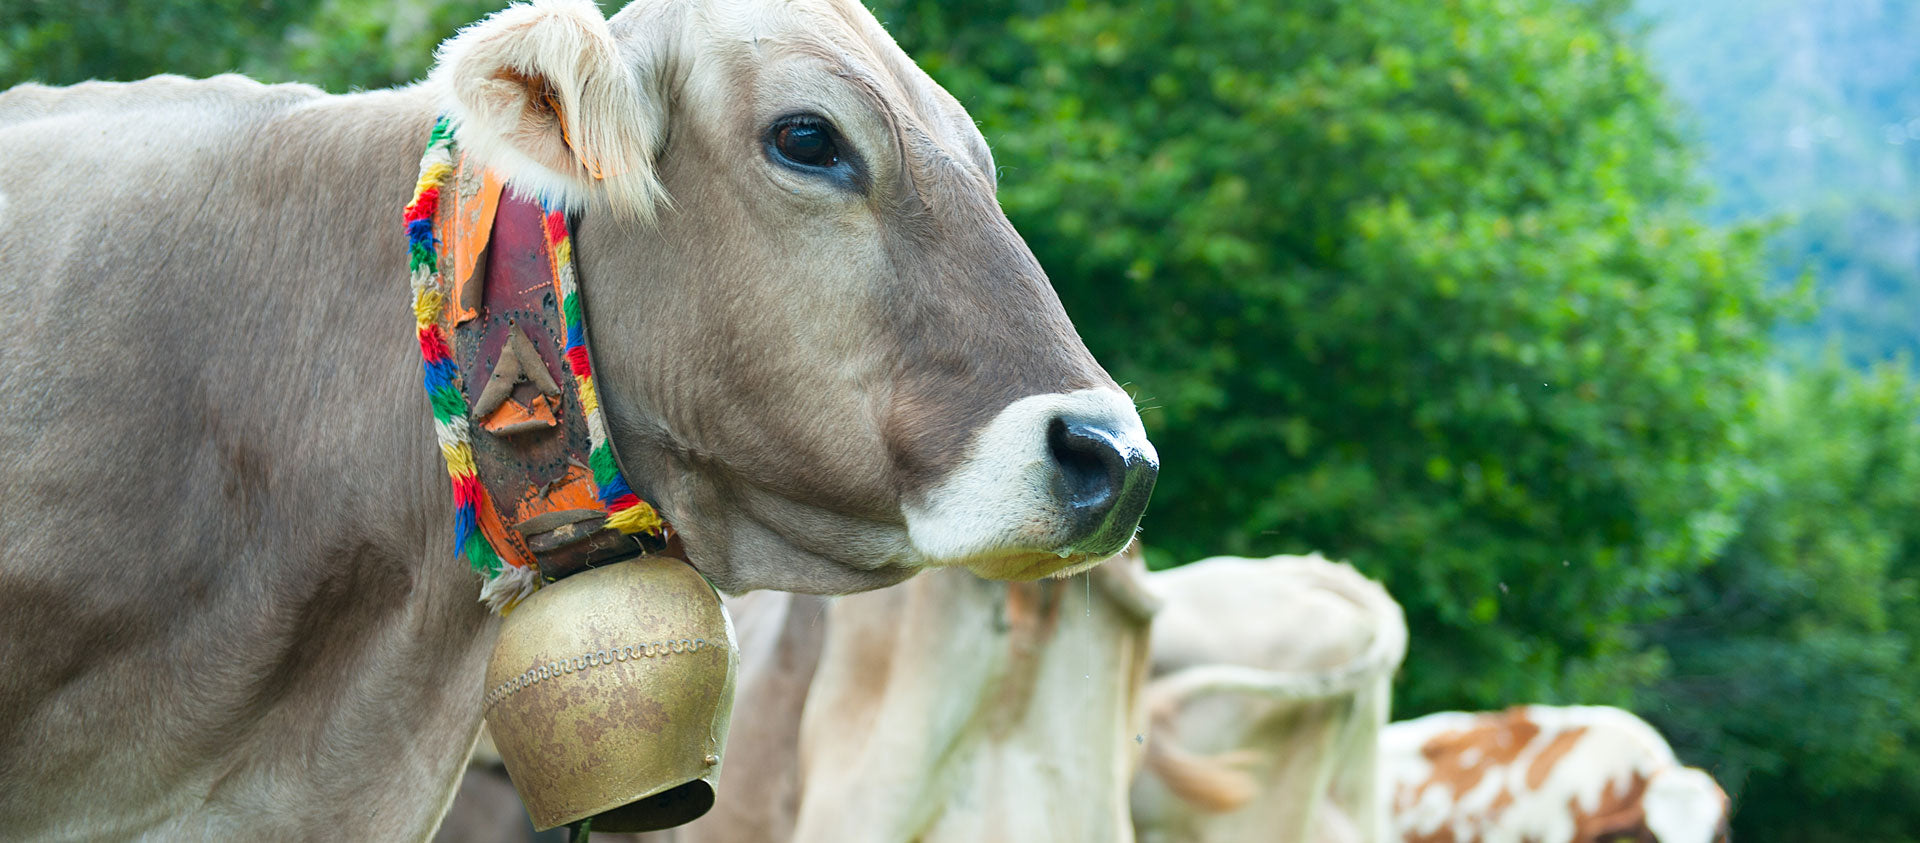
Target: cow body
216,615
1272,678
1543,774
229,607
954,710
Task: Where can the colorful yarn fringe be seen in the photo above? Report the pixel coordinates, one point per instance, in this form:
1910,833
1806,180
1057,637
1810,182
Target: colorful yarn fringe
626,512
507,583
508,580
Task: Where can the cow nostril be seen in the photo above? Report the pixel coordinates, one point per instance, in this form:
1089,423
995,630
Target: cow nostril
1104,477
1091,465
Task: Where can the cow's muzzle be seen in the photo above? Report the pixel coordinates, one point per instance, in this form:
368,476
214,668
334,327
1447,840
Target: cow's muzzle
1104,477
1053,484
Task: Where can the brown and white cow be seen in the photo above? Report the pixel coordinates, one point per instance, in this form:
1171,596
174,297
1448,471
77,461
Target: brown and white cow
1272,679
1545,774
229,607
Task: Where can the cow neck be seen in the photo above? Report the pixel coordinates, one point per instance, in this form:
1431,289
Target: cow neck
537,489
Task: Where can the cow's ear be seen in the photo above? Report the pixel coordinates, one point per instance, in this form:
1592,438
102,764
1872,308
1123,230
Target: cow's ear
542,93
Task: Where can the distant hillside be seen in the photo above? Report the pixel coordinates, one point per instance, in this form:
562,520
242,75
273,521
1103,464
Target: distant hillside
1808,111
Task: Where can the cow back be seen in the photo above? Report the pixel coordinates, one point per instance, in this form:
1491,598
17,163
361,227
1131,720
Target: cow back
1584,774
1271,680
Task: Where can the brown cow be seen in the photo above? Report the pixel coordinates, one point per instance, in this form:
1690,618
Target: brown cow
1575,774
228,603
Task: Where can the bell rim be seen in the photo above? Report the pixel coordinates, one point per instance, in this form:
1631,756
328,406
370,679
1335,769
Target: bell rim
710,778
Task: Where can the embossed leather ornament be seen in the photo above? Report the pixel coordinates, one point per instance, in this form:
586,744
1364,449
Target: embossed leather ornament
538,490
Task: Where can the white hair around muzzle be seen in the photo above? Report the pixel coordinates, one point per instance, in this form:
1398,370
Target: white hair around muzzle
1004,509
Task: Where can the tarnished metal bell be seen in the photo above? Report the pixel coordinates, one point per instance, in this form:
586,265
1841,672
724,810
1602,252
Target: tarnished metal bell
609,693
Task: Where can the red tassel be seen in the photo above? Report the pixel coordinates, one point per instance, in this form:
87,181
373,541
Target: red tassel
423,206
433,345
466,491
577,358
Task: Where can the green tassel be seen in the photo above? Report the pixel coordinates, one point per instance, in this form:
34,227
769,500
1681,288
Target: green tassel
481,556
447,403
604,469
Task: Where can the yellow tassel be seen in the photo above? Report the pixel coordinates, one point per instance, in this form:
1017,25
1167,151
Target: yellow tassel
636,519
589,398
459,459
563,253
426,308
431,176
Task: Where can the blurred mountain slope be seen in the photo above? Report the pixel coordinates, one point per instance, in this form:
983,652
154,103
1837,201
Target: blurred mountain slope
1808,111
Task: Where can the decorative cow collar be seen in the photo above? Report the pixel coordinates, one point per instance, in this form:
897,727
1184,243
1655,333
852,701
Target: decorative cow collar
537,489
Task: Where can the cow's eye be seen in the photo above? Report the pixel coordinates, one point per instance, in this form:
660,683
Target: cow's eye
806,143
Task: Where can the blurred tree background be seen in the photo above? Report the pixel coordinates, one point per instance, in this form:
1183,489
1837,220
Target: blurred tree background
1435,287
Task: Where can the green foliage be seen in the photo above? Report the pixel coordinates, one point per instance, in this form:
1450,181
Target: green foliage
1418,285
337,44
373,43
1792,657
65,41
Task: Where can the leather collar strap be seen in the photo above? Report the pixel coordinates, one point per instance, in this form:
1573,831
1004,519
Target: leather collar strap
538,492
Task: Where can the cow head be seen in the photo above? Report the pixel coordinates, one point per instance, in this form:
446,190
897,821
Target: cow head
1685,805
826,354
